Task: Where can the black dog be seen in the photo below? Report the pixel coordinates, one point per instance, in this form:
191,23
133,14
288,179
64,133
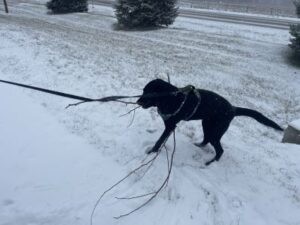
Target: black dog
176,104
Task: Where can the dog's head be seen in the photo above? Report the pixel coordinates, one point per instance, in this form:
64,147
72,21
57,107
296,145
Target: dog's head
155,87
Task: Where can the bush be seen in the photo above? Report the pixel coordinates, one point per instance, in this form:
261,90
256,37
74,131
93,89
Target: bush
145,13
297,5
67,6
295,39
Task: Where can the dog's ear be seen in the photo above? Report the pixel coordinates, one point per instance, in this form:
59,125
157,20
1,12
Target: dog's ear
163,76
154,86
160,85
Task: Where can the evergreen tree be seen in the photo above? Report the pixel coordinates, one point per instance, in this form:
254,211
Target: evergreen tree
145,13
295,40
67,6
297,5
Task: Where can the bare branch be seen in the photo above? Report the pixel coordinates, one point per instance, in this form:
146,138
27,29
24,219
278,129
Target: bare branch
131,122
76,104
107,99
167,155
132,110
169,79
99,100
135,197
125,102
117,183
148,168
155,193
168,161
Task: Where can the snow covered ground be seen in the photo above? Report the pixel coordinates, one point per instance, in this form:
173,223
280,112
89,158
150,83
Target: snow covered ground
55,162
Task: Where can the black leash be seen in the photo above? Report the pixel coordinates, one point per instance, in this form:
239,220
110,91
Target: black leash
84,99
66,95
49,91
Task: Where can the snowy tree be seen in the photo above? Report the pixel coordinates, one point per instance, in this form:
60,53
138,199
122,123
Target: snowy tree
145,13
67,6
295,40
295,31
297,5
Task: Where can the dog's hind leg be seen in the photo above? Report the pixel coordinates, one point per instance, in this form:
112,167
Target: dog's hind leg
215,136
219,152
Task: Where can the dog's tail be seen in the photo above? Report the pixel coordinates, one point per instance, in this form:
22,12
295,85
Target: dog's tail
257,116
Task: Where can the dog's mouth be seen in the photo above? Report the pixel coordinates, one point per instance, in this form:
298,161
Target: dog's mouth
145,105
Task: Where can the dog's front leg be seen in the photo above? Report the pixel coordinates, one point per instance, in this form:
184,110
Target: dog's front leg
163,138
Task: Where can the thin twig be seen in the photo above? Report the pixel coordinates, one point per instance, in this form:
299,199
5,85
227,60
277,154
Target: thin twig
167,155
168,161
82,102
169,79
117,183
154,194
135,197
131,122
75,104
146,171
115,98
148,168
125,102
132,110
136,157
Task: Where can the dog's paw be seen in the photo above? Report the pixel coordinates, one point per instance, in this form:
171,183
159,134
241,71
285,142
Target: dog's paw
200,144
202,167
149,150
209,162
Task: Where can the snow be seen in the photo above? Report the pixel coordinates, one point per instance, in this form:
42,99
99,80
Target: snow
295,124
56,162
42,164
250,15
